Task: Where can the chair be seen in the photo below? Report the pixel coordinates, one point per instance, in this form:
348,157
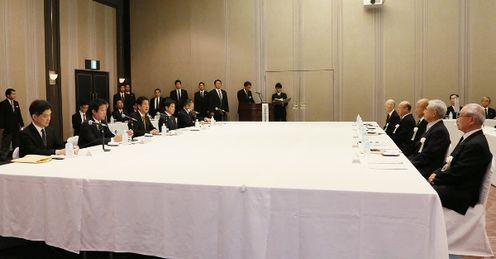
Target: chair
15,153
74,140
467,234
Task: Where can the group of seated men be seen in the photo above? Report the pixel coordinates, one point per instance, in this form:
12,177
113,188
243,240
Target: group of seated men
458,177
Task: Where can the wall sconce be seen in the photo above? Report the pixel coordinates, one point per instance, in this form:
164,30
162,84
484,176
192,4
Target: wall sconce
122,79
53,76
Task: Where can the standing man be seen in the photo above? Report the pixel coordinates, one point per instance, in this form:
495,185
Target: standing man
79,117
201,100
245,95
279,99
488,111
10,122
217,100
156,103
120,95
141,123
38,138
179,95
130,102
392,117
430,152
459,181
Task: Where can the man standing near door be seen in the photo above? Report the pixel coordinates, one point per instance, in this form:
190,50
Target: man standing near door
11,124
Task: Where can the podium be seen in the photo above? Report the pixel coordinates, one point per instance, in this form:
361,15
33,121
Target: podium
253,112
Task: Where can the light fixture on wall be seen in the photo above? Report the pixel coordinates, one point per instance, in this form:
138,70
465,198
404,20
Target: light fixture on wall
122,79
53,76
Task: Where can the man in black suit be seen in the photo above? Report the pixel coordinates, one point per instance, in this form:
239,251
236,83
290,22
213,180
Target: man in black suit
187,116
403,131
142,123
392,117
430,151
38,138
119,114
179,95
279,98
459,181
217,101
95,126
452,112
79,117
130,102
419,128
245,95
120,95
167,118
489,112
156,103
201,101
10,122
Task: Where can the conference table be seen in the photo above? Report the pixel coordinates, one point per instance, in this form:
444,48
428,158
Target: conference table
231,190
489,132
120,127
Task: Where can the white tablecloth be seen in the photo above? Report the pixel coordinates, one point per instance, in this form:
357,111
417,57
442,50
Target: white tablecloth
237,190
120,127
489,132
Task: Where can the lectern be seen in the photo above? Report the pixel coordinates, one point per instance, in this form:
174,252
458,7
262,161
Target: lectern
253,112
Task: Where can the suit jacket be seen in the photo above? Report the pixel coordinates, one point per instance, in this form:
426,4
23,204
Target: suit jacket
451,110
201,104
118,115
214,101
91,134
31,142
153,108
245,97
179,102
491,113
169,121
129,102
403,134
391,122
421,126
117,96
432,157
138,126
459,186
185,119
76,123
10,120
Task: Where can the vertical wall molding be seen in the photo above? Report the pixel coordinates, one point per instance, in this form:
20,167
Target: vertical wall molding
4,53
464,68
378,86
227,52
259,39
338,61
421,21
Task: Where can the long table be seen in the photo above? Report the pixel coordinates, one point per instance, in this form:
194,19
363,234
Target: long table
233,190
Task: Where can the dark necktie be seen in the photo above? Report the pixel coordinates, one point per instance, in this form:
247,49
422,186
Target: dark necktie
43,137
144,122
387,118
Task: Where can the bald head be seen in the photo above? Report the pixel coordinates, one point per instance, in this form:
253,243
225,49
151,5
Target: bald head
389,105
420,107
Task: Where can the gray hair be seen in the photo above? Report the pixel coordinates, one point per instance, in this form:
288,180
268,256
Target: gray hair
476,111
439,107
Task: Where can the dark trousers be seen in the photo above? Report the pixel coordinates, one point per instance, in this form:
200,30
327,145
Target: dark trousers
279,113
7,139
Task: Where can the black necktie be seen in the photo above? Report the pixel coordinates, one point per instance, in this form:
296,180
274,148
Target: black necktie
43,137
387,118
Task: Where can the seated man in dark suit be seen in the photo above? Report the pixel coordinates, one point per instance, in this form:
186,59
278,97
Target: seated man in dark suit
430,151
96,126
79,117
419,128
119,113
392,117
38,138
201,101
459,181
168,118
489,112
187,116
142,123
403,131
454,109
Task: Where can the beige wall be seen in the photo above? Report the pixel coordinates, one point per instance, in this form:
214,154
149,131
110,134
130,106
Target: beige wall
88,31
334,57
22,51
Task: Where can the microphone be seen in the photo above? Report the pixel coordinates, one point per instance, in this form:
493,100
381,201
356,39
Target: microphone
124,116
102,132
219,109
